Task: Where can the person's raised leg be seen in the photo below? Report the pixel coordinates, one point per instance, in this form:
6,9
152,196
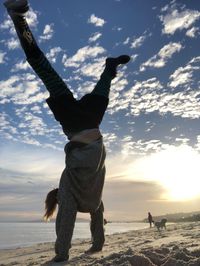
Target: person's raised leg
96,102
17,11
103,85
55,85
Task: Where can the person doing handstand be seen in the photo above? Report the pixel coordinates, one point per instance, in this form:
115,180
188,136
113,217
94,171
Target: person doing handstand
81,183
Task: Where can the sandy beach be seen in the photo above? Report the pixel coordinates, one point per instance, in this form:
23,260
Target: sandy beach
178,245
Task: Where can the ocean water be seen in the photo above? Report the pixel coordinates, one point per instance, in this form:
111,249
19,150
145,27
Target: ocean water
14,235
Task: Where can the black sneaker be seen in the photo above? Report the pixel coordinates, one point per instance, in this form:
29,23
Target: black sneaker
58,258
19,7
93,250
122,59
113,62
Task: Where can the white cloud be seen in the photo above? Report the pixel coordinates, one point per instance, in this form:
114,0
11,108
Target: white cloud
93,69
165,8
2,56
85,87
109,140
27,99
40,163
148,85
150,96
183,104
12,43
47,33
182,140
159,60
95,36
26,127
118,85
184,75
36,109
98,22
134,57
48,29
82,54
193,32
129,150
137,42
22,65
178,20
181,76
128,146
3,121
197,146
6,24
21,89
31,17
7,87
8,130
53,53
34,124
127,40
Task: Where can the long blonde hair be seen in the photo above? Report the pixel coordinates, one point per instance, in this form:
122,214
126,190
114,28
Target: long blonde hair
50,204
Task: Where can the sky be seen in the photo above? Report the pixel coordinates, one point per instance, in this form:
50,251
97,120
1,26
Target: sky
151,128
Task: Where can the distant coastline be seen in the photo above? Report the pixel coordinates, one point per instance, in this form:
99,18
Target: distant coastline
79,220
178,217
171,217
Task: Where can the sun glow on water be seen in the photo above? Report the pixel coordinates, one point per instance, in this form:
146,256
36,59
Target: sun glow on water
177,169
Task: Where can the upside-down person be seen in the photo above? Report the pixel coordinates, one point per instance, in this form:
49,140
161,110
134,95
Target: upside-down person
81,183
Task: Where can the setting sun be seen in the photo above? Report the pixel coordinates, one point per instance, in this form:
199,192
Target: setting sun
176,169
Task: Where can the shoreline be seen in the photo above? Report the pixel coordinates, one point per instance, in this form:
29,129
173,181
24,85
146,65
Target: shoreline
178,245
35,233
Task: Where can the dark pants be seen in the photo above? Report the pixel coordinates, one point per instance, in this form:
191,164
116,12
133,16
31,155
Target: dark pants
97,228
66,217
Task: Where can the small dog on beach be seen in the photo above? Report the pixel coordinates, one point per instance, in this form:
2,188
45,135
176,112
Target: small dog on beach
161,224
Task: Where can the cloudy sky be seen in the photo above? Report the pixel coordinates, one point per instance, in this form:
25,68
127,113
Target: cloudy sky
152,126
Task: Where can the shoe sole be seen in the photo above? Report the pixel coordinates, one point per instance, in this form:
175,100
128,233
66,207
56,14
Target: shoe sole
122,59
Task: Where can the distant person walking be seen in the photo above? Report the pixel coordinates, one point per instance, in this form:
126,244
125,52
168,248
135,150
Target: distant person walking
82,180
150,219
